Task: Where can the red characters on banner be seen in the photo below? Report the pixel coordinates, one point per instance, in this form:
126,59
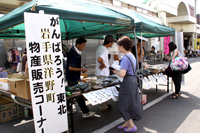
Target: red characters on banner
166,42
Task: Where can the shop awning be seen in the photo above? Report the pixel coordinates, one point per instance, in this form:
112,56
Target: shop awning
144,26
149,28
77,19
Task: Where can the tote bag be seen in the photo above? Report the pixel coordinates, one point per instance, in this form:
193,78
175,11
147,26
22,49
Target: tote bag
179,63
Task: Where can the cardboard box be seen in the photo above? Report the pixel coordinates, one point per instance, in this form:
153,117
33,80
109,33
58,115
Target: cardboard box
7,106
144,99
11,78
5,80
23,89
4,101
10,111
22,85
13,87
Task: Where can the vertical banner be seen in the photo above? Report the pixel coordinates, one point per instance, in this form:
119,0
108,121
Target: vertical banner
44,55
166,42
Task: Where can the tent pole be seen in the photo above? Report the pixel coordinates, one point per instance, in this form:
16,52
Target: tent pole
141,69
137,63
141,52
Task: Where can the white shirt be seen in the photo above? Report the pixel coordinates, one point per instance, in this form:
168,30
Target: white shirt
78,51
114,51
102,52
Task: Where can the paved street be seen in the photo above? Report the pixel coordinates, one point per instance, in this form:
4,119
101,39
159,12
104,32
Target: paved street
167,116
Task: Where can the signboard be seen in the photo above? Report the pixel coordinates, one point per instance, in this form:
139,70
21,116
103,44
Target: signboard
166,42
44,55
101,96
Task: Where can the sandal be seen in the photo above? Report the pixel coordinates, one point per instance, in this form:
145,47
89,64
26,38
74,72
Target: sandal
174,97
174,94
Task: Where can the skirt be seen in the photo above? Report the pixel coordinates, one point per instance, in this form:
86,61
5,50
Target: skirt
129,103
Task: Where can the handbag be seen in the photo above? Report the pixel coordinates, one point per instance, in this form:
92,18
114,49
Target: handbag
187,70
168,71
179,63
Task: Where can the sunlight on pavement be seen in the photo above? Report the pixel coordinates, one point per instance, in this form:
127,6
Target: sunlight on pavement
184,96
23,122
150,130
191,123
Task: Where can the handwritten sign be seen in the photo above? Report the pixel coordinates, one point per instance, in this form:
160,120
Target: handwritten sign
44,55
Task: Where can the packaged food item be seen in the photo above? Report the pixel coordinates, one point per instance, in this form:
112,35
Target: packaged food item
94,81
97,87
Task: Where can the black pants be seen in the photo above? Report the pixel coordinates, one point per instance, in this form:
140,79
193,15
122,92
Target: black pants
176,77
80,100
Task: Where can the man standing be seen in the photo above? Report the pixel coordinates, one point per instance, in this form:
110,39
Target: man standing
114,55
153,50
73,72
139,50
102,65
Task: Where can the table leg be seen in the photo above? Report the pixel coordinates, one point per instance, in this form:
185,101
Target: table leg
167,84
156,85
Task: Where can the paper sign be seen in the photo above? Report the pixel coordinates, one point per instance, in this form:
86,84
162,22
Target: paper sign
104,99
105,94
152,81
115,91
109,91
158,78
145,81
90,99
163,77
45,66
96,97
120,78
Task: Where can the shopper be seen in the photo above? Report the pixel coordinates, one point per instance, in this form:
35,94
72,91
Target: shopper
102,65
73,72
129,100
176,75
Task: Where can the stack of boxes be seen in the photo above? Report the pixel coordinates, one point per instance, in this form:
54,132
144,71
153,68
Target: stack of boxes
10,111
18,85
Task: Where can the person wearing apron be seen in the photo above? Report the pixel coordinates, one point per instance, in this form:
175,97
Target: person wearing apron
129,103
